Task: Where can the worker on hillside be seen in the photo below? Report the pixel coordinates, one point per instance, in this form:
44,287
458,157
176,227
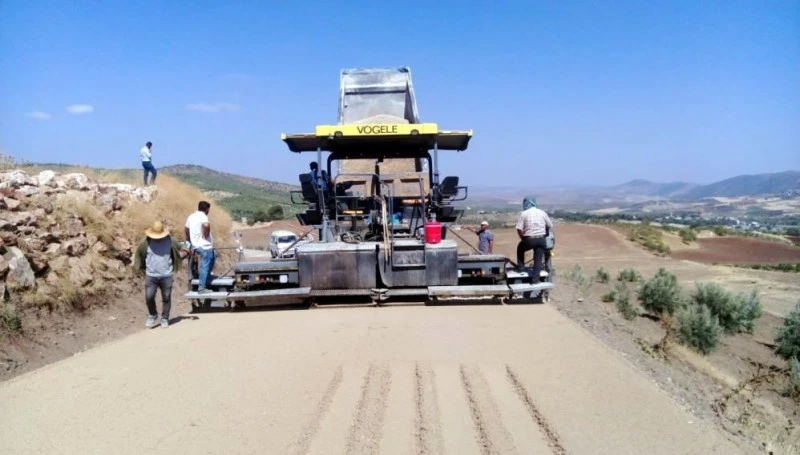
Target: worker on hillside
532,227
198,234
146,154
158,256
485,238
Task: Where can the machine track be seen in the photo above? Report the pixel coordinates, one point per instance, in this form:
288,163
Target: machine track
420,380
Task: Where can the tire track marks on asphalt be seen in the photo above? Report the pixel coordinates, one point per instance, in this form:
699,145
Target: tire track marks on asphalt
367,426
552,437
428,418
492,436
303,443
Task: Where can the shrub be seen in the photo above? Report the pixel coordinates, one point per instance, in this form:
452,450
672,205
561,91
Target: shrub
609,296
275,213
10,319
794,378
698,328
602,275
720,231
788,339
577,277
624,305
649,237
687,235
629,275
736,313
661,294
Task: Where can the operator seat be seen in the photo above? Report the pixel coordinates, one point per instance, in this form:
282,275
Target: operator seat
448,189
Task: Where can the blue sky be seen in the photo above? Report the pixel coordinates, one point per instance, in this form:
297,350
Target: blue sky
556,93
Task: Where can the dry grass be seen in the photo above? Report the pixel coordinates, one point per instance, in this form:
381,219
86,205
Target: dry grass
173,202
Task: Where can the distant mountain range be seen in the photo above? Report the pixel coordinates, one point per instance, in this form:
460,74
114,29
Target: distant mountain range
743,185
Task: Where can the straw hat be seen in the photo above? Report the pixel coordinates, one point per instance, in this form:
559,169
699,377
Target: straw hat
157,231
484,223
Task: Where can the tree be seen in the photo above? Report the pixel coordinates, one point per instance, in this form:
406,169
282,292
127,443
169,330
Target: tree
275,213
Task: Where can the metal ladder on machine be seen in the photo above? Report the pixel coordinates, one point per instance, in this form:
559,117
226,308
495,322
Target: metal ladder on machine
411,247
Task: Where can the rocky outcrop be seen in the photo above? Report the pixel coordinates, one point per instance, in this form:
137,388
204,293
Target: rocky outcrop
43,244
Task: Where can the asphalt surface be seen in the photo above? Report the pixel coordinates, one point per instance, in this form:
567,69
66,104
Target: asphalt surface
449,379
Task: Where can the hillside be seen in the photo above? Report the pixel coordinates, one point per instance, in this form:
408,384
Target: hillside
648,188
749,185
240,195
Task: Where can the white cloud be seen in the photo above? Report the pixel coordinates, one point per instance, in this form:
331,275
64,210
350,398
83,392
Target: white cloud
80,109
38,115
212,107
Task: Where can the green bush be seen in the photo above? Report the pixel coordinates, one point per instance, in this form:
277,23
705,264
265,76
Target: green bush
698,328
609,296
720,231
649,237
787,340
10,319
629,275
687,235
661,294
736,313
794,378
602,275
624,304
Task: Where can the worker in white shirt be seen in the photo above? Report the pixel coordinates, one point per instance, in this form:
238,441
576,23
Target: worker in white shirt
532,227
146,154
198,233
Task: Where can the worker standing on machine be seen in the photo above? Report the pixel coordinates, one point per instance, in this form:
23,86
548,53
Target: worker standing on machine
321,181
533,227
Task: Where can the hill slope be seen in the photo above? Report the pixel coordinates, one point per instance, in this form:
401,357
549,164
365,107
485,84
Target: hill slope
648,188
241,196
749,185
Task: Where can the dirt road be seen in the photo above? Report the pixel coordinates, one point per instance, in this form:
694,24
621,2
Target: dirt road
456,379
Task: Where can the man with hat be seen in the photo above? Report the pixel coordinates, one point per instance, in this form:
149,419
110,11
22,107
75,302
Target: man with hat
533,226
485,238
158,256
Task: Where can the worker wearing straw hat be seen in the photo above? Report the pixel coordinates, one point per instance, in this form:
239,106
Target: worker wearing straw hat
158,256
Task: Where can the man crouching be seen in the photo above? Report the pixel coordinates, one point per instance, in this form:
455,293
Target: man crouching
158,256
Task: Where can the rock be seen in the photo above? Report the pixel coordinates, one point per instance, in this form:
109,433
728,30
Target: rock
46,178
145,194
74,227
76,181
75,247
29,190
112,269
2,291
122,248
59,265
11,204
20,219
100,247
8,238
16,178
46,205
38,262
33,243
20,274
3,268
80,271
115,187
580,300
53,249
52,236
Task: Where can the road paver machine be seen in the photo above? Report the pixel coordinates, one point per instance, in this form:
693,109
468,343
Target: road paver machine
381,212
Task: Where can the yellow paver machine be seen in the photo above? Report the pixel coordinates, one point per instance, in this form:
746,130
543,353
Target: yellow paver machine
381,212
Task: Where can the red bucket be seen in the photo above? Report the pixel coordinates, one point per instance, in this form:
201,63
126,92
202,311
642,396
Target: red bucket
433,232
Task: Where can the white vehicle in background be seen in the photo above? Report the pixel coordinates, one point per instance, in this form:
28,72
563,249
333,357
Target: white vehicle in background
281,240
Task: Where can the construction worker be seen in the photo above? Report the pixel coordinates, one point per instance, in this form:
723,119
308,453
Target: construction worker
158,256
533,226
485,238
198,234
321,181
146,154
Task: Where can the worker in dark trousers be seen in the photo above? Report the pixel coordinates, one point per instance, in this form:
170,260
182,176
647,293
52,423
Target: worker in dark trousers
532,227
